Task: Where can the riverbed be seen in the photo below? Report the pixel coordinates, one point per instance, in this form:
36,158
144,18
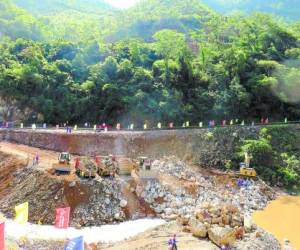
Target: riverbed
282,218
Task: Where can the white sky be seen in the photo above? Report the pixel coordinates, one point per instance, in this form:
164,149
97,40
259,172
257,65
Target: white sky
122,3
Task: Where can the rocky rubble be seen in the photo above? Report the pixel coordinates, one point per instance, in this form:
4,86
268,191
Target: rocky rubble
26,244
226,225
168,203
92,202
258,240
42,193
222,224
104,205
218,210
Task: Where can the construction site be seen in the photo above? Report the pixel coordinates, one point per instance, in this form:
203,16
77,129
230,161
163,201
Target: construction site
164,180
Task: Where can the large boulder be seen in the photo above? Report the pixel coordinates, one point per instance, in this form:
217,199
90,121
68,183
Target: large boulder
123,203
248,223
222,235
197,228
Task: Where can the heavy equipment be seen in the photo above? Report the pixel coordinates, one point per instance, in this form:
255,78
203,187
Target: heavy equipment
86,168
145,170
126,165
105,166
108,166
63,166
247,172
145,163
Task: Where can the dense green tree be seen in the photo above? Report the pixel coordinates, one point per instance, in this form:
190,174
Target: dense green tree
158,61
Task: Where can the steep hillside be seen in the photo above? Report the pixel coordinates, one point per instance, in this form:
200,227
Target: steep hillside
150,16
47,7
188,64
289,9
15,22
71,20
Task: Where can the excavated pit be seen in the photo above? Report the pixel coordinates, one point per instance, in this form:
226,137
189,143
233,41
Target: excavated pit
176,193
92,202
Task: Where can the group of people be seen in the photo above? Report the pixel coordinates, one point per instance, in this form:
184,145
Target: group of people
243,183
69,130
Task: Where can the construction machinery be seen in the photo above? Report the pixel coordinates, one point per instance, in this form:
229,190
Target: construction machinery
145,168
104,166
63,166
145,163
247,172
108,166
126,165
86,168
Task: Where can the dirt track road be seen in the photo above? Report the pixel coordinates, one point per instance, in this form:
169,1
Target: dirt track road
47,158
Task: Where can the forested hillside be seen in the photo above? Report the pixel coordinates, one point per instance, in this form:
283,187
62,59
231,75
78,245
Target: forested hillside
48,7
150,16
16,22
289,9
158,61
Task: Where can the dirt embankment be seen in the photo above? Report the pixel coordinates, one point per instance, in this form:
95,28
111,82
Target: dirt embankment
8,166
207,147
92,202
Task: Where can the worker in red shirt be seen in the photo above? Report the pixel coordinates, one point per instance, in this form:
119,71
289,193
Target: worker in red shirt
77,162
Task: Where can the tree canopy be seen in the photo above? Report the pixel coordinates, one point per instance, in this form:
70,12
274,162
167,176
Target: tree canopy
169,61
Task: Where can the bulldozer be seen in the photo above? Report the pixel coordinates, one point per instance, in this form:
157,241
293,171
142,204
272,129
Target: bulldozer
63,166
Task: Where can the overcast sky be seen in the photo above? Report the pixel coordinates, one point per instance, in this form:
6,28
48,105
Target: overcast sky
122,3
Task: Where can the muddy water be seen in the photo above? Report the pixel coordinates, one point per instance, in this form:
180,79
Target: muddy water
282,218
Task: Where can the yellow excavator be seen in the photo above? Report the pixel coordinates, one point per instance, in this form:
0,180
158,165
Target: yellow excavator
63,166
245,170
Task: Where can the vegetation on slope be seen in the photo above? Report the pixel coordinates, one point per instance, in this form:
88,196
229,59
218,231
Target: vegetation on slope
289,9
276,155
159,61
48,7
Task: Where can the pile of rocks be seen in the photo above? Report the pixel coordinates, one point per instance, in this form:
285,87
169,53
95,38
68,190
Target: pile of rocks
172,166
207,189
258,239
221,224
105,204
166,203
43,194
92,202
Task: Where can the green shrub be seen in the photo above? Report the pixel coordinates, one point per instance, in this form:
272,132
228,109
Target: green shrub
274,155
